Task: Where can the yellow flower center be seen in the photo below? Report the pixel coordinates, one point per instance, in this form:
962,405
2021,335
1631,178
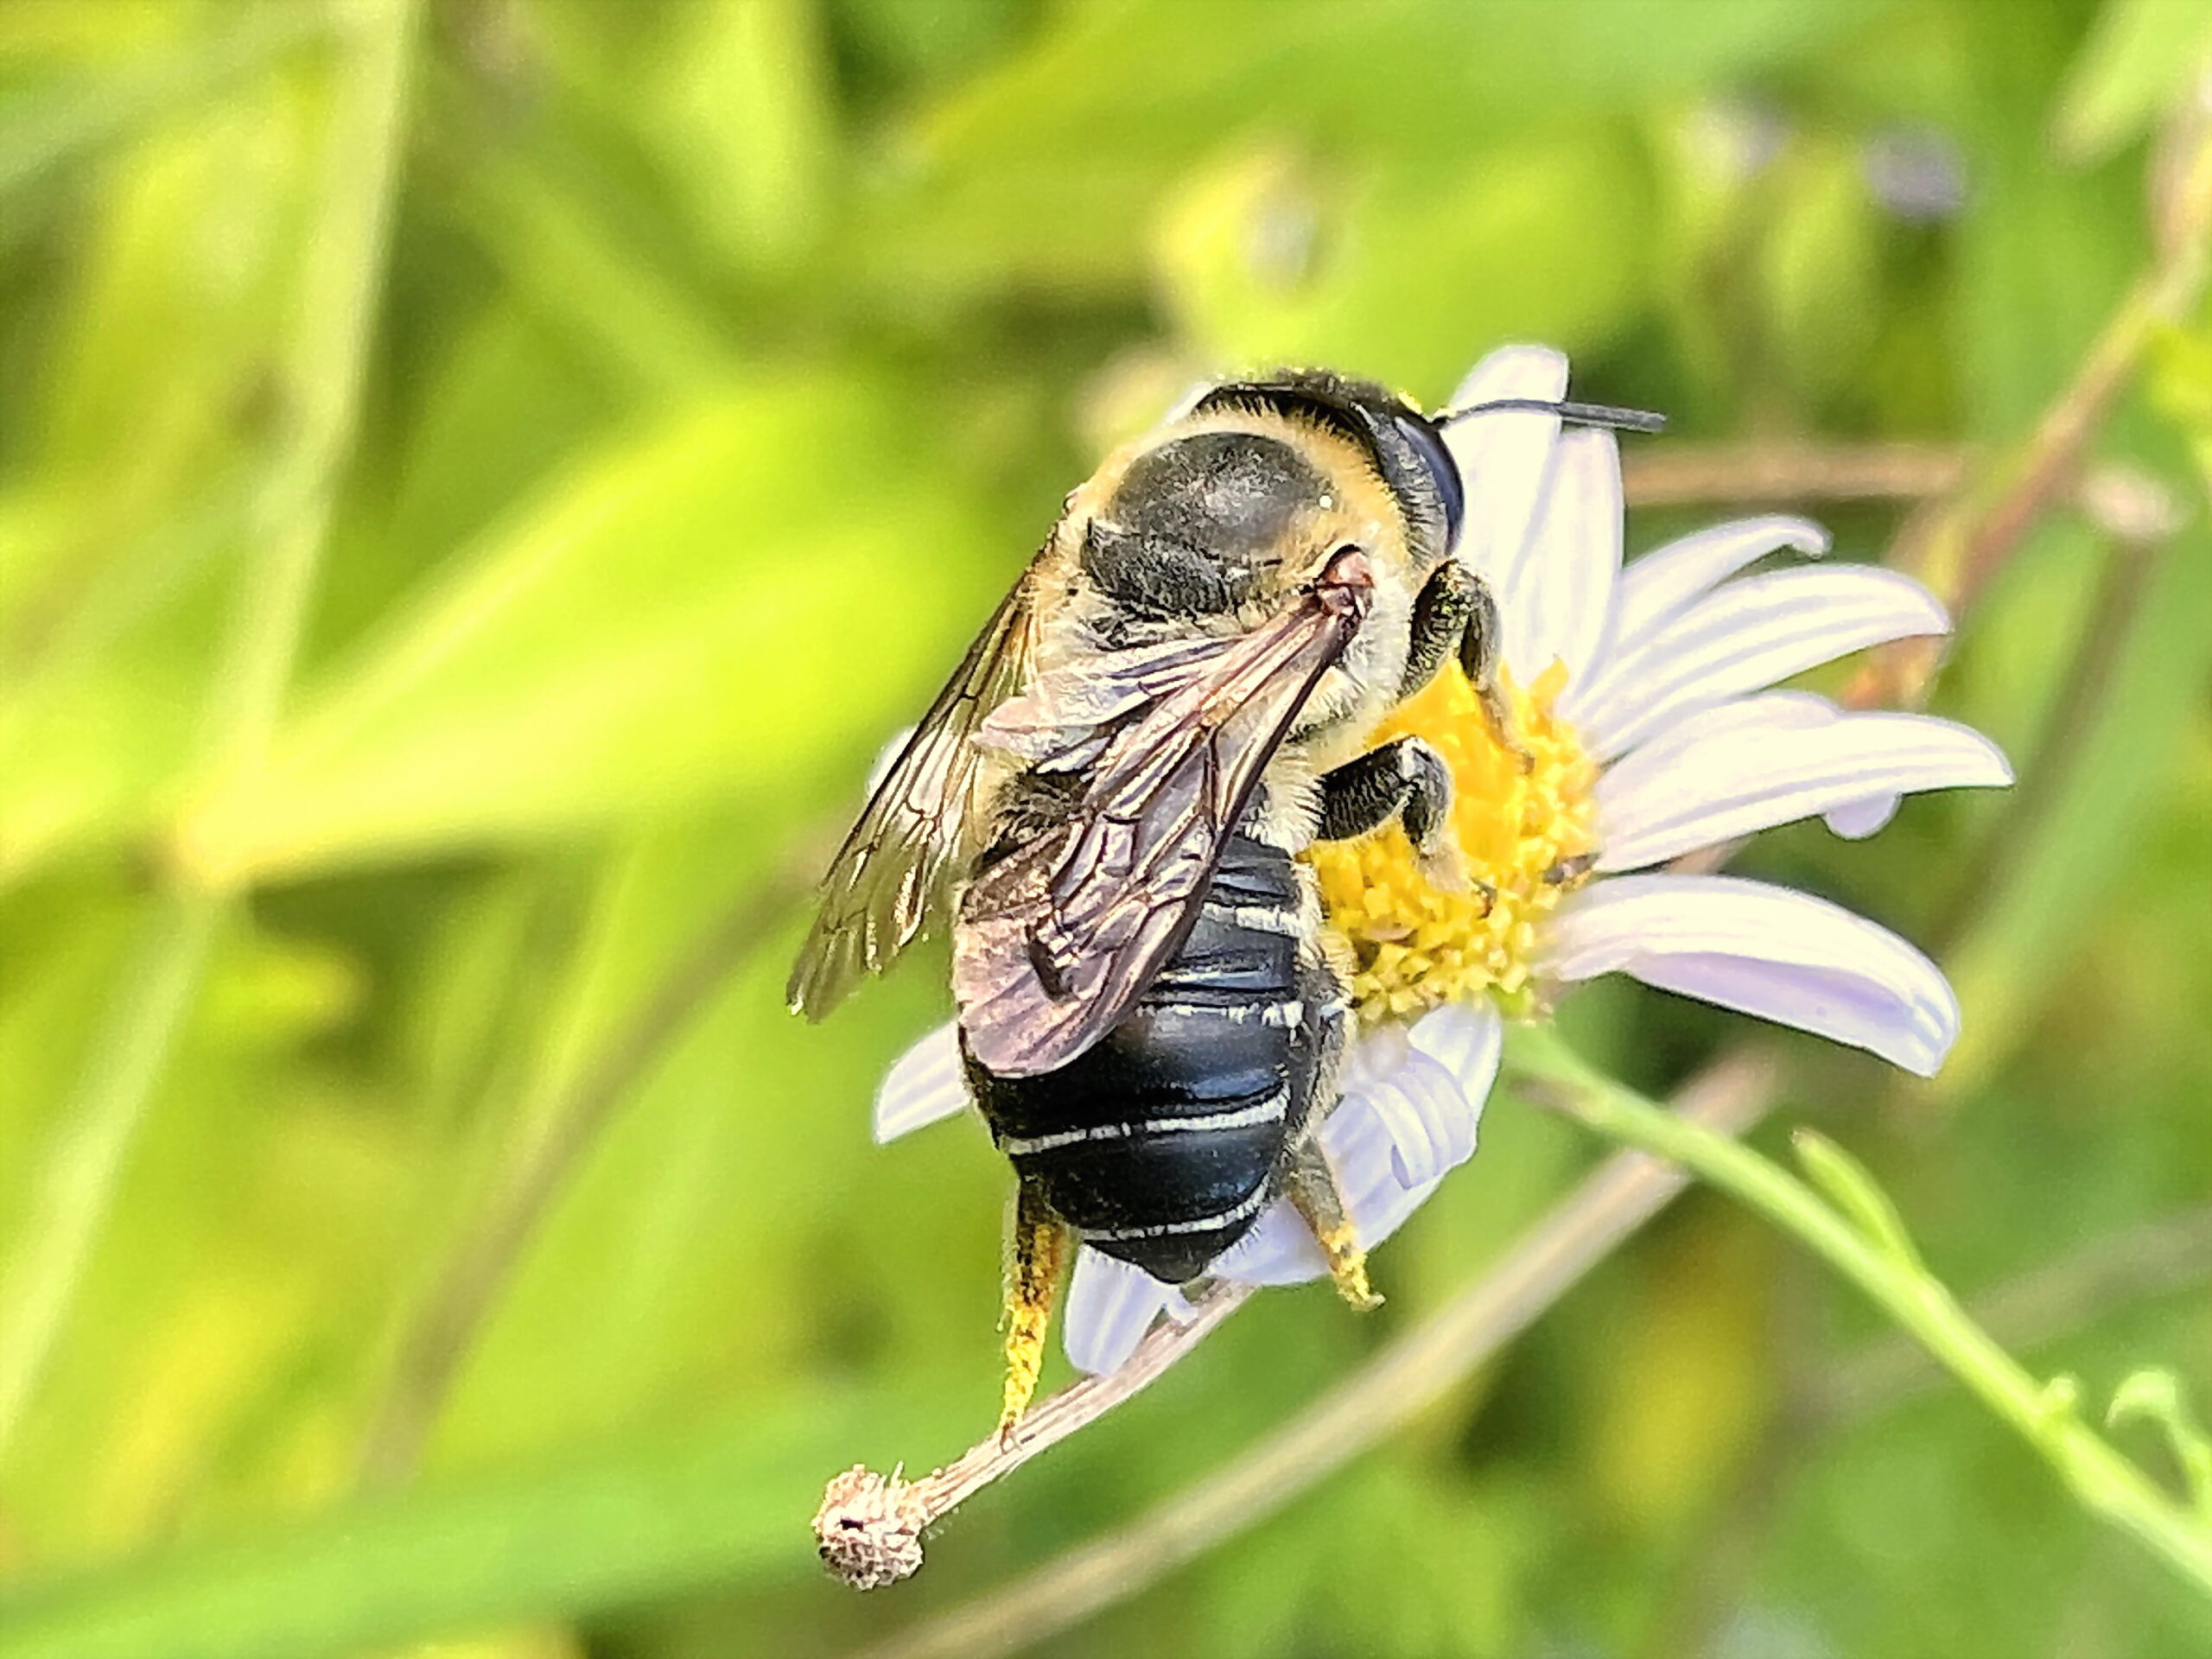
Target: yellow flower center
1525,837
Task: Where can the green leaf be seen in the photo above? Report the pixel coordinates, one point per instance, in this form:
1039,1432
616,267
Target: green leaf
75,118
2140,60
1407,270
723,1505
743,115
1848,1185
2155,1396
731,606
159,416
1050,167
466,460
2063,869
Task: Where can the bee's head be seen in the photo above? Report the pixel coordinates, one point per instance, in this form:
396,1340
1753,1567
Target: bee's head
1247,498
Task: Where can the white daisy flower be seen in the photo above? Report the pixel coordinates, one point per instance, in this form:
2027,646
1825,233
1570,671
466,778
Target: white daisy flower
1642,694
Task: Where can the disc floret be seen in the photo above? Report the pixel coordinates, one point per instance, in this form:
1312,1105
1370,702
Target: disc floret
1524,822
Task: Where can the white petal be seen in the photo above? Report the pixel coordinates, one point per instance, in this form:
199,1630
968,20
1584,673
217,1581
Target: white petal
1436,1076
1365,1157
1450,1119
1765,951
1277,1250
1728,772
1860,819
1431,1124
1372,1074
1663,581
924,1084
1425,1086
1745,636
1179,1310
1502,456
1110,1306
1466,1039
1558,601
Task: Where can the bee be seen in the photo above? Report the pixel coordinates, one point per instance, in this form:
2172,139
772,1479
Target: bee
1108,798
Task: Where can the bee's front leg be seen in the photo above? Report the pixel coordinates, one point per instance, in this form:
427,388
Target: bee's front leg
1036,1252
1455,613
1442,611
1405,779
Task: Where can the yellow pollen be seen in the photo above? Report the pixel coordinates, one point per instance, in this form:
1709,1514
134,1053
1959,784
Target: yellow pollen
1524,837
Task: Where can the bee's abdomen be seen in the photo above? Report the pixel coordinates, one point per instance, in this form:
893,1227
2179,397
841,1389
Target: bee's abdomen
1161,1143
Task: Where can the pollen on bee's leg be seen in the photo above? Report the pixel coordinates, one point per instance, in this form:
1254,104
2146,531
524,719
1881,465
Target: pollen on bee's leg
1312,1191
1347,1266
1035,1255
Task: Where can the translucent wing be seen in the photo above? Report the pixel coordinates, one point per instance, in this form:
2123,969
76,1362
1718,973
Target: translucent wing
1057,938
891,877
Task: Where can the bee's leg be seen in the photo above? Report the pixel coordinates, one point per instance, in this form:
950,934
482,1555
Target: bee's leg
1442,611
1311,1186
1405,779
1035,1254
1454,612
1478,648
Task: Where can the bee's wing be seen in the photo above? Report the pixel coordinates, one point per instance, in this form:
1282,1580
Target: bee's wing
892,876
1057,938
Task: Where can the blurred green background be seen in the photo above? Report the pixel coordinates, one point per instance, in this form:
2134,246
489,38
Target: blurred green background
479,481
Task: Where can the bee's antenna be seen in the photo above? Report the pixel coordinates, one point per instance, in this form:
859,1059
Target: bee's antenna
1620,420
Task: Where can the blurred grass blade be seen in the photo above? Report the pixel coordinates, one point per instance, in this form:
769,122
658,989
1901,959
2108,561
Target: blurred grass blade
79,1166
719,1506
76,119
2065,865
1049,166
344,266
646,328
2141,58
733,604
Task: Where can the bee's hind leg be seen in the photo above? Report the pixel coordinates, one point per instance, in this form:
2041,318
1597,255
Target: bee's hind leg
1311,1186
1036,1253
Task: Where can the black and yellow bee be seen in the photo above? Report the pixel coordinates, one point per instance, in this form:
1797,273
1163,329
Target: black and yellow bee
1108,798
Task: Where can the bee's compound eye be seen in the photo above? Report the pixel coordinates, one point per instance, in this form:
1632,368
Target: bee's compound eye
1426,439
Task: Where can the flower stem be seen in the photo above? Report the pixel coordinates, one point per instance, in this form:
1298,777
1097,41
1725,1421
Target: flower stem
1857,1235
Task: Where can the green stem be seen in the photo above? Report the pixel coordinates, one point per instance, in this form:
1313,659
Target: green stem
323,363
2100,1477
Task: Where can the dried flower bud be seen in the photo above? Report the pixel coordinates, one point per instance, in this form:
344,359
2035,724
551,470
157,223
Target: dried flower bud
869,1527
